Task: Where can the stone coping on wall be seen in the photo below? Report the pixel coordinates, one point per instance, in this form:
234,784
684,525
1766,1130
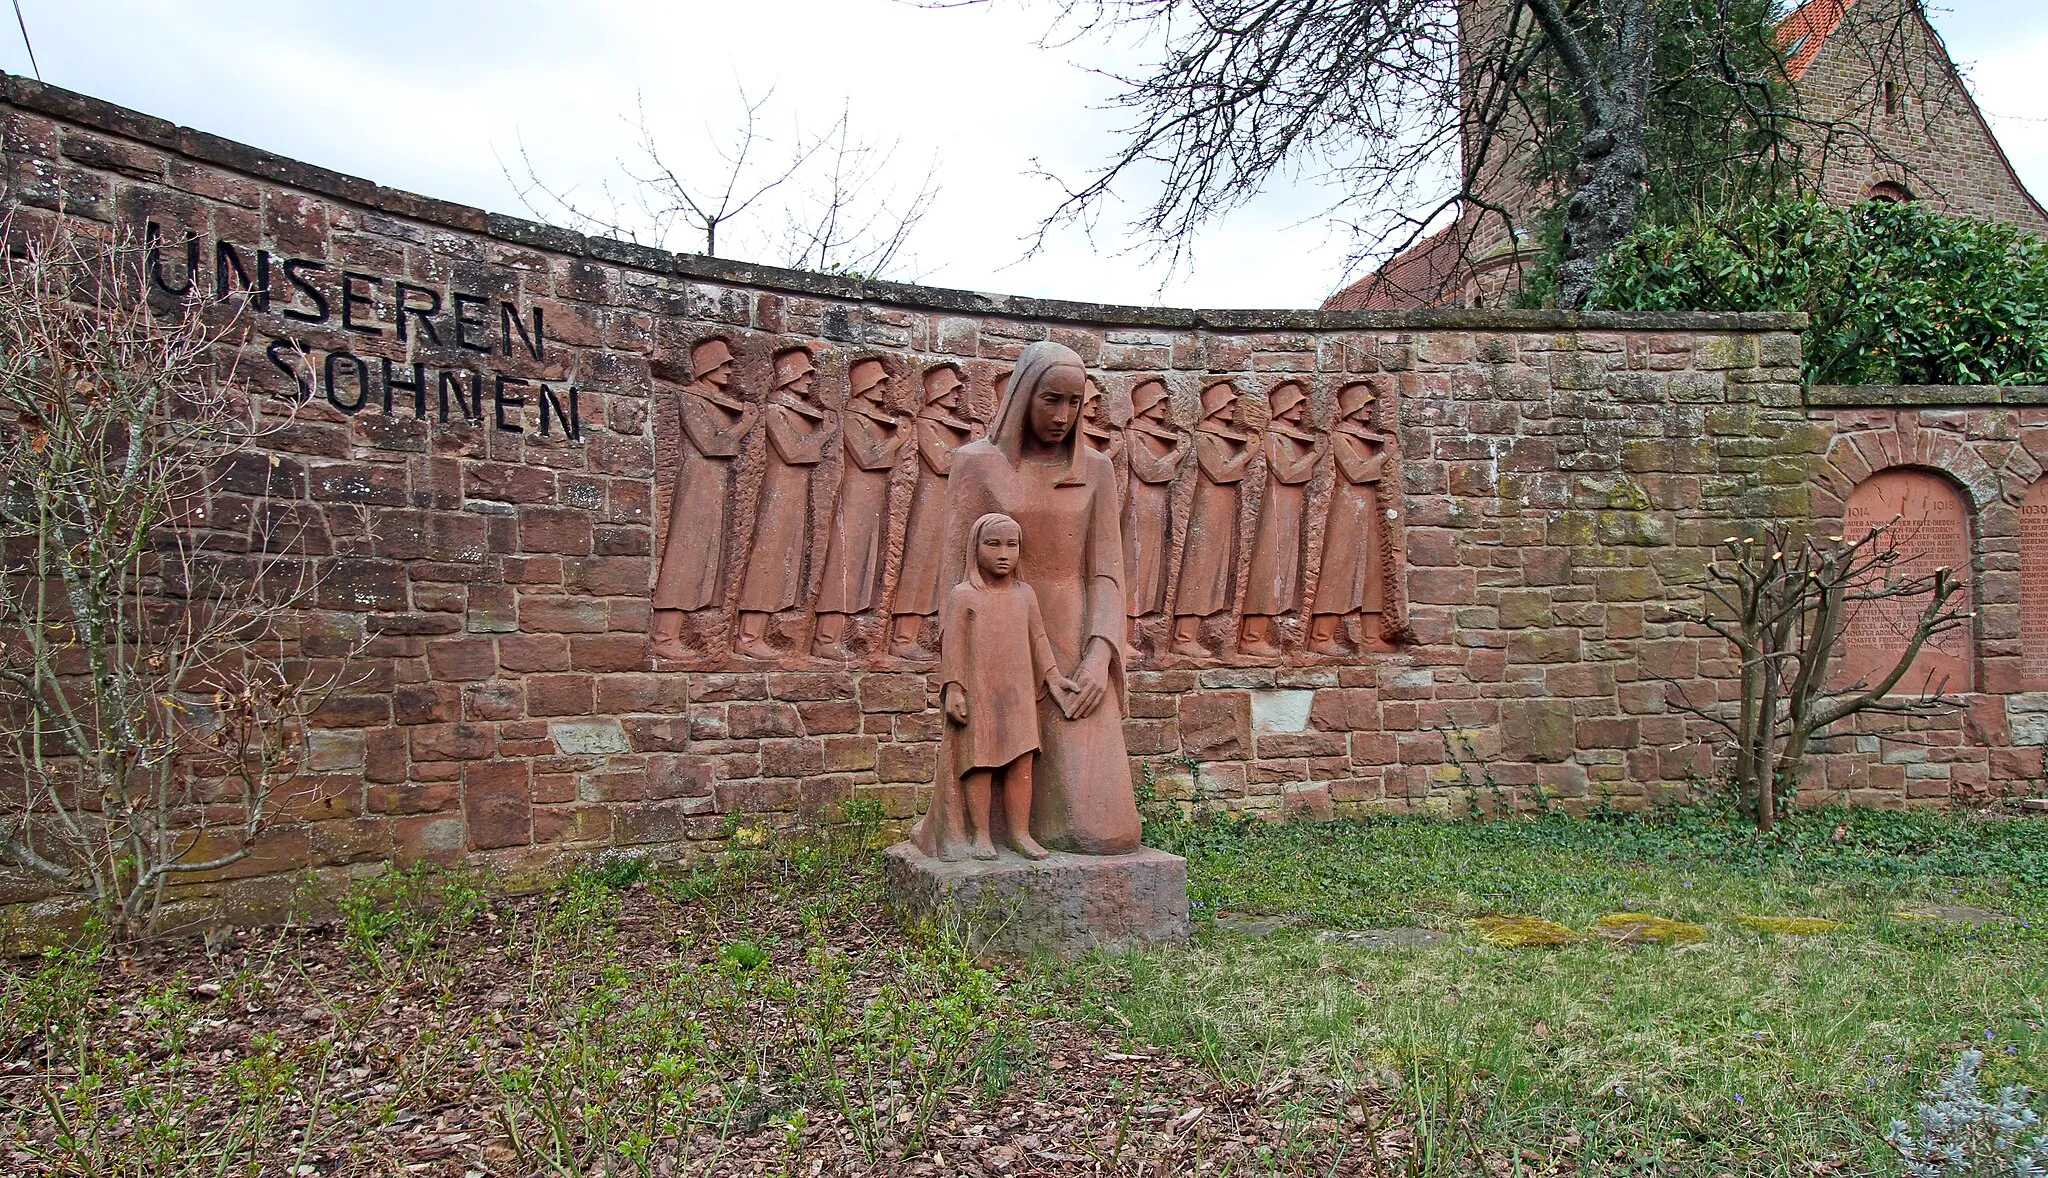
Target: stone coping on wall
1922,396
99,115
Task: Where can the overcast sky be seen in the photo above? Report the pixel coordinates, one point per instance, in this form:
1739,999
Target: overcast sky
430,96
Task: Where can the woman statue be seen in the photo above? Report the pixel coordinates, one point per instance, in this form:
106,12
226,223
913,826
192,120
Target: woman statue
1032,468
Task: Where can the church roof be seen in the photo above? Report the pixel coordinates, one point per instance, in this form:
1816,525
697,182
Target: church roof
1802,34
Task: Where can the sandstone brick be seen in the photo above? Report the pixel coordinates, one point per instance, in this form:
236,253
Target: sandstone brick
819,717
906,762
792,757
1348,709
751,720
641,692
1537,729
452,742
426,703
609,652
559,695
571,825
1216,726
1544,646
798,687
892,693
850,754
495,805
572,615
463,658
649,734
679,777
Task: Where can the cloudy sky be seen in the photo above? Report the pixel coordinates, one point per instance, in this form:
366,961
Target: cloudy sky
435,96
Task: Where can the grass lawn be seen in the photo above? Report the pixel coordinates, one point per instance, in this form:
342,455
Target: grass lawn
763,1016
1744,1052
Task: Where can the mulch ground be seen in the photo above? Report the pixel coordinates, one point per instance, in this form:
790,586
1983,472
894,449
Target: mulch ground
394,1071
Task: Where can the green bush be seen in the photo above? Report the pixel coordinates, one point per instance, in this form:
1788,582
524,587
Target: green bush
1898,293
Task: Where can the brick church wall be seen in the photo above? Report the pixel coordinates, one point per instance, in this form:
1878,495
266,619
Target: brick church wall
1887,104
1561,482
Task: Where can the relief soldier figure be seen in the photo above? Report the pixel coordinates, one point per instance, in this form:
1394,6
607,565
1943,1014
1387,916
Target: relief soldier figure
941,429
1354,572
1101,432
1273,583
798,432
1157,452
874,440
714,423
1223,452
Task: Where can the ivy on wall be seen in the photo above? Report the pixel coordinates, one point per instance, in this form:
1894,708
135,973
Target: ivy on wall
1898,293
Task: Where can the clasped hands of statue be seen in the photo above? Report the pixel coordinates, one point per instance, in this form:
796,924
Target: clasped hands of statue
1077,697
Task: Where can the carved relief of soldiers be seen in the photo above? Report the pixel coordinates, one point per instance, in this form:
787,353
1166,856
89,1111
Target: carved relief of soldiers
798,431
1099,431
1273,583
874,440
1354,571
855,545
714,423
1157,452
942,428
1223,452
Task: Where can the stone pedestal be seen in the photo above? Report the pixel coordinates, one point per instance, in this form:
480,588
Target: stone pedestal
1064,905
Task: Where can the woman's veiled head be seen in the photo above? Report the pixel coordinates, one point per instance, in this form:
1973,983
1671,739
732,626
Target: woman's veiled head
1043,399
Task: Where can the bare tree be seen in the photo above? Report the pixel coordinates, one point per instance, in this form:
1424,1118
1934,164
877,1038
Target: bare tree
828,192
848,218
1422,113
152,717
1784,602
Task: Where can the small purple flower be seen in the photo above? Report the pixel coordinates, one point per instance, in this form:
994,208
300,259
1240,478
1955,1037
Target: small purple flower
1738,1098
1988,1034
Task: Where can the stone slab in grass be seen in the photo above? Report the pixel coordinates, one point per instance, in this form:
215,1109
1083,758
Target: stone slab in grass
1249,924
1789,926
1633,928
1064,905
1524,932
1953,914
1383,938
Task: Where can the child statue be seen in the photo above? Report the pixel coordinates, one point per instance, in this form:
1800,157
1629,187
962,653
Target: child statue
995,663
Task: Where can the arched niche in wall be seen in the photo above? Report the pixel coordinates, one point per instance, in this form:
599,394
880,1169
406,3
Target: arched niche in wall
1932,531
2034,588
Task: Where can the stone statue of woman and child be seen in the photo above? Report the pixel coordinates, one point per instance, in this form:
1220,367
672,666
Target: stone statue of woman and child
1032,758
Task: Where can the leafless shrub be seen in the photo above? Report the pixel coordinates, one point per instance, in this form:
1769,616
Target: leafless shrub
1784,602
152,718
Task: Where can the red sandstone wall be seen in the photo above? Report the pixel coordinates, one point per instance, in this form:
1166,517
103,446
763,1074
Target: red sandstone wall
1561,481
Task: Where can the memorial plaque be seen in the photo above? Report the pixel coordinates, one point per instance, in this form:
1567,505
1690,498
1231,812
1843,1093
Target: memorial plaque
1932,530
2034,588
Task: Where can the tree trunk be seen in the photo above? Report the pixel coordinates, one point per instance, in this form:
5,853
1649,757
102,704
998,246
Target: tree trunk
1613,97
1603,210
